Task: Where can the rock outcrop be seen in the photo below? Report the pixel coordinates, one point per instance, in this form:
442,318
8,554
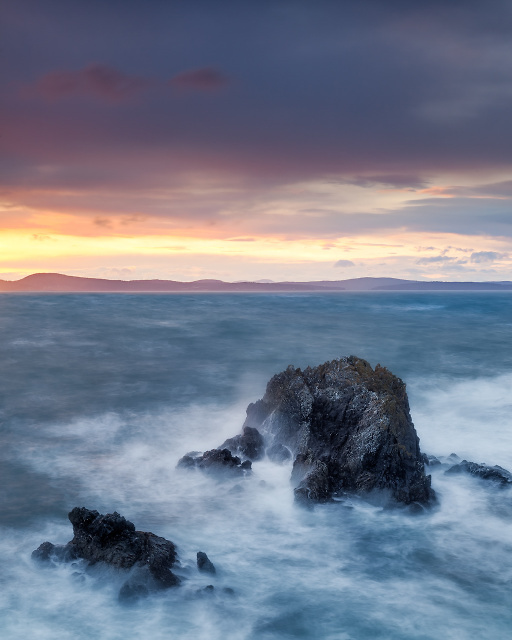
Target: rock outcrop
249,444
349,429
204,563
216,461
113,540
496,475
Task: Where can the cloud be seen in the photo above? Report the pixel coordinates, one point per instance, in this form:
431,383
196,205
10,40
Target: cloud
390,181
480,257
95,80
436,260
301,115
106,223
204,79
344,263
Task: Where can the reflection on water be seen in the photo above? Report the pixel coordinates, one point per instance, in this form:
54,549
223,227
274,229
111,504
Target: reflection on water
102,394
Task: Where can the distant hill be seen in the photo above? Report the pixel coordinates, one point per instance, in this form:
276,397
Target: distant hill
58,283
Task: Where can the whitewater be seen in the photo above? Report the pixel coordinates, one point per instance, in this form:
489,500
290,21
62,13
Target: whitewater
101,394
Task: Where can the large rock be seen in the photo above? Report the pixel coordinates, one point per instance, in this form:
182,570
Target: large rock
349,429
112,540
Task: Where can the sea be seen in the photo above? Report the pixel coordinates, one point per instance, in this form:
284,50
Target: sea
102,394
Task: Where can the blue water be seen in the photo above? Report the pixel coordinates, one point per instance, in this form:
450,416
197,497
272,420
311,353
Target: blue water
101,394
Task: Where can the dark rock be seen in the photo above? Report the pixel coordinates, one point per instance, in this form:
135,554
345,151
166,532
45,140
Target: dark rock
47,552
187,462
349,428
430,461
495,474
312,479
111,539
44,552
220,461
279,453
249,444
204,563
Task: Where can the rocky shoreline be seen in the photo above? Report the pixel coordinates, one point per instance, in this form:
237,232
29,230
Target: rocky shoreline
347,427
348,431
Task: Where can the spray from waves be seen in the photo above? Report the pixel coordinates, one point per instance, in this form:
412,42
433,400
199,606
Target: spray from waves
342,571
472,418
355,571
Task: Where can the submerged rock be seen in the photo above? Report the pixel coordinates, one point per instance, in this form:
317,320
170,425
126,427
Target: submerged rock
113,540
349,429
497,475
48,552
250,444
217,461
204,563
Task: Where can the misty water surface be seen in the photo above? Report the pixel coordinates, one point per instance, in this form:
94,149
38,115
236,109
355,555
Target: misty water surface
102,394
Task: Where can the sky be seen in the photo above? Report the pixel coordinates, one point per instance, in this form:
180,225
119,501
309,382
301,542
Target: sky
237,140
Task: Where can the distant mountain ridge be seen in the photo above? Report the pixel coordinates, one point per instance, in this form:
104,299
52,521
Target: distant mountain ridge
59,283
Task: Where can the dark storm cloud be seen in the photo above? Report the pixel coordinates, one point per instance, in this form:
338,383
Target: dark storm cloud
369,92
96,80
205,79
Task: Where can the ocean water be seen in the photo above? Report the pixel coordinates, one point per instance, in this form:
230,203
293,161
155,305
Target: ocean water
102,394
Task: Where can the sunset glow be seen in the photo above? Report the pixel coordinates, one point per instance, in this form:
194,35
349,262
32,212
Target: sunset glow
203,166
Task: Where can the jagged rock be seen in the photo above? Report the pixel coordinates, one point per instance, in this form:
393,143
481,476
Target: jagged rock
497,475
431,461
349,428
111,539
249,443
312,478
279,453
187,462
204,563
47,552
220,461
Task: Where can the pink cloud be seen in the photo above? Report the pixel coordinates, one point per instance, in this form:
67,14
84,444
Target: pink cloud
96,80
204,79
